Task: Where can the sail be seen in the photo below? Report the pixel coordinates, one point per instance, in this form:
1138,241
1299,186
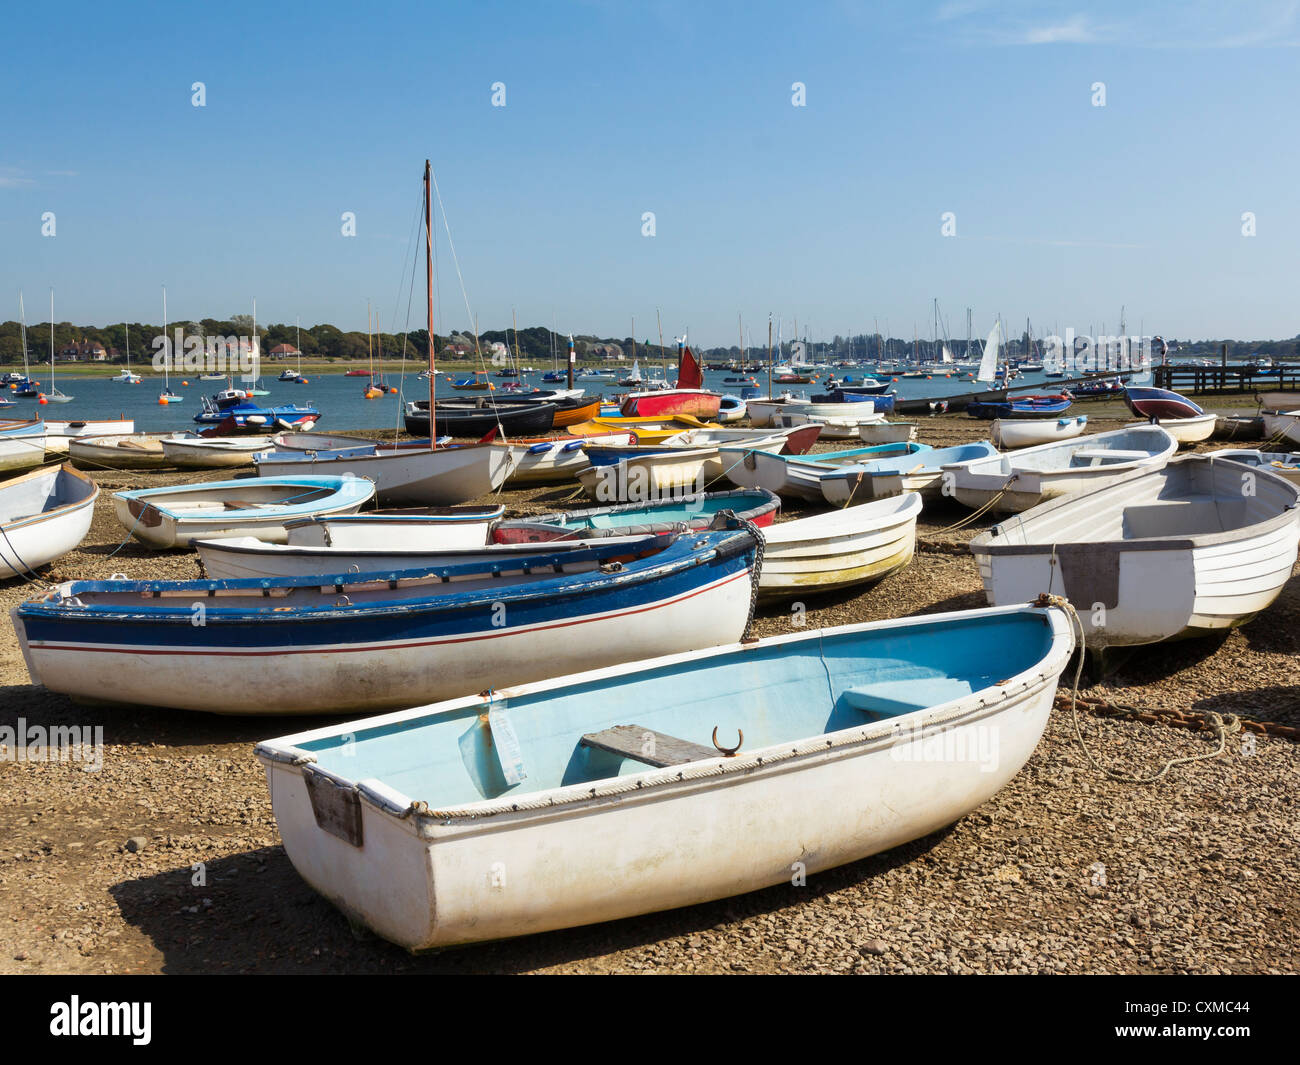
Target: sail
688,371
947,355
989,364
636,371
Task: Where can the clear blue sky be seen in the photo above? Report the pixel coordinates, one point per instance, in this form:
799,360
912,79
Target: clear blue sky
830,213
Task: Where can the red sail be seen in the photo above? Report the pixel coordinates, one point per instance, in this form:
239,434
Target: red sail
688,371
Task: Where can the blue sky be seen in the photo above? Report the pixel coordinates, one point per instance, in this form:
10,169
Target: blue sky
830,212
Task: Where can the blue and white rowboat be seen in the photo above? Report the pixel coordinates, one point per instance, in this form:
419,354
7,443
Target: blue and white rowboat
353,642
173,517
602,795
893,476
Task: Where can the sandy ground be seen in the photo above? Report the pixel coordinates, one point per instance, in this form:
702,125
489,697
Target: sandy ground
1063,871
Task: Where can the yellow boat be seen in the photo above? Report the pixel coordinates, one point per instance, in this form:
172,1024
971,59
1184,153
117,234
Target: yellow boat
477,383
646,430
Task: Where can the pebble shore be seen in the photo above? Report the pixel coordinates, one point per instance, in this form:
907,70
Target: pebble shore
168,859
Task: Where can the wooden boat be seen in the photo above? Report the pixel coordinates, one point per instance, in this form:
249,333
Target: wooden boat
1177,551
59,435
880,478
22,445
1159,403
800,475
1282,464
1186,431
602,452
1020,407
654,476
128,451
887,432
352,642
478,382
426,527
174,517
827,552
44,514
1282,425
189,451
1238,427
599,796
1016,433
442,477
1022,479
692,512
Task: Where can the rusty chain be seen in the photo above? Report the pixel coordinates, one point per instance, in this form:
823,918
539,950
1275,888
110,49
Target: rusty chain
1192,720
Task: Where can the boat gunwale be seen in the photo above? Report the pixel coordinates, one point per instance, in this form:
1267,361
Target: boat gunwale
983,543
563,800
62,510
681,556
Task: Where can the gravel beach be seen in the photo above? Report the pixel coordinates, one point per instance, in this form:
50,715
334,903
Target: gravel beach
168,860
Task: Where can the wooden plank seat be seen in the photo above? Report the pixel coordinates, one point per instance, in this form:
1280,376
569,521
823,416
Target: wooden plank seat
646,745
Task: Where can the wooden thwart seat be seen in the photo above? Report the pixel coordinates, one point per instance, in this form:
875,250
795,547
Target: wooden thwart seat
648,746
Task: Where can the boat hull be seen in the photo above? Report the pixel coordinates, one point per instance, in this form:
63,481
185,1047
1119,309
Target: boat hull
644,842
32,539
828,552
672,403
134,451
359,657
1187,431
1030,432
444,477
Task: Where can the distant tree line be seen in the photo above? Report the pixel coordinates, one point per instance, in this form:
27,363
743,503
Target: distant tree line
535,345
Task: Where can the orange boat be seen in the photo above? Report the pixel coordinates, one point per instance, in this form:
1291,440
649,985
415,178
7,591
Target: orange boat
646,430
565,418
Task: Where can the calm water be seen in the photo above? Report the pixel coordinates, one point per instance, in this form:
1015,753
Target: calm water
340,399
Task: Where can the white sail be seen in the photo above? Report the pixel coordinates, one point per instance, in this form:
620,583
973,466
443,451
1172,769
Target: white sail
989,364
947,355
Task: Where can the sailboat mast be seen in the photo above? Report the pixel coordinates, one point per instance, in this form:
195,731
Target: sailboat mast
428,279
769,354
52,388
22,313
167,345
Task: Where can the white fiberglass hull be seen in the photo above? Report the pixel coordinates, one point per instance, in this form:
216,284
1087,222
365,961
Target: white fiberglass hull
1010,434
444,477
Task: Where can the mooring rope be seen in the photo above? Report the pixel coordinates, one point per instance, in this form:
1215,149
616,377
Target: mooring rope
1215,723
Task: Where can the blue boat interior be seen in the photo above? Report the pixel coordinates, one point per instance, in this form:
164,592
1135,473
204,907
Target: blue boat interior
776,693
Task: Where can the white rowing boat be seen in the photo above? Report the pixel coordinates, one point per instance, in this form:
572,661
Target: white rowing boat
44,514
1282,425
260,507
1022,479
826,552
1011,434
22,445
600,795
1179,551
59,435
189,451
1186,431
126,451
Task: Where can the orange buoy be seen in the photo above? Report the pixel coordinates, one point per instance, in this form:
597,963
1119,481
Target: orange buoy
162,402
185,383
42,400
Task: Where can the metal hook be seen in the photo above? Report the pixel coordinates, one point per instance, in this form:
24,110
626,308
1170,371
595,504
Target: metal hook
728,751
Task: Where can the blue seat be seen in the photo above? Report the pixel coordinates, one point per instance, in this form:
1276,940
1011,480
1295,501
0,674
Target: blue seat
890,698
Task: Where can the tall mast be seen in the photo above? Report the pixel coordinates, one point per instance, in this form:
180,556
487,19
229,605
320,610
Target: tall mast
769,354
428,280
22,313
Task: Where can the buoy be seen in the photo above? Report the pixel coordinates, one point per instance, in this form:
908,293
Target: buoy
305,381
162,401
42,400
186,384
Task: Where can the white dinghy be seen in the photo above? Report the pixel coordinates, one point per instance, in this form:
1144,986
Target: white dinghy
600,795
1022,479
431,528
1282,425
260,507
1010,434
1180,551
22,445
442,477
43,515
1280,463
190,451
887,432
59,435
844,424
826,552
1187,431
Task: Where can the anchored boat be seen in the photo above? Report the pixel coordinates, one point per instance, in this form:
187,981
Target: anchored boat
618,792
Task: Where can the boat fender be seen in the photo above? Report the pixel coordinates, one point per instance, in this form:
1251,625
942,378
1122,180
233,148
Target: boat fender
538,449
